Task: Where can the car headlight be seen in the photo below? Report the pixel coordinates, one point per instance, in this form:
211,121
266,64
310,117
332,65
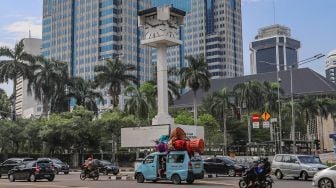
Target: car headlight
313,169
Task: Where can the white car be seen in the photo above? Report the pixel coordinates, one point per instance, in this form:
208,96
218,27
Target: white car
325,178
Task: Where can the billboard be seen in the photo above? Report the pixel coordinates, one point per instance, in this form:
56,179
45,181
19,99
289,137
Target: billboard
145,136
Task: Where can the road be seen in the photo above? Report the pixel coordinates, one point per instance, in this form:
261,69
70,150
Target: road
72,181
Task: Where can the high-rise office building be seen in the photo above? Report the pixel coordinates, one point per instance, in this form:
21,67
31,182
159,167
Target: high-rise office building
26,106
84,32
331,66
213,28
273,49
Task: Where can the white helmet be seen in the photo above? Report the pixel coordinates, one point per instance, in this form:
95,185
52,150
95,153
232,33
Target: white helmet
255,159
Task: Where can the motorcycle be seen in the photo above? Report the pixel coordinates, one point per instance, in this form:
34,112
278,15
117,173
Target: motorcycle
87,174
264,182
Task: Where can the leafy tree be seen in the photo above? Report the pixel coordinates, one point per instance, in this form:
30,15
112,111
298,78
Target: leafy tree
195,76
5,106
14,66
213,138
114,75
184,118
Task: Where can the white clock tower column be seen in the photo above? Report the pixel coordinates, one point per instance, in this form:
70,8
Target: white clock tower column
161,31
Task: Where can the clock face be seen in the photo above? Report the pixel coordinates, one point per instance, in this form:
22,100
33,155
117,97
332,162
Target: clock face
156,28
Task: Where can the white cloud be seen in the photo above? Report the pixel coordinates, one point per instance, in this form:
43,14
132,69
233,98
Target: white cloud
20,29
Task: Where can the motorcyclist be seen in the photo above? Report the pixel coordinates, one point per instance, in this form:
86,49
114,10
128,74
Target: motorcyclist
252,172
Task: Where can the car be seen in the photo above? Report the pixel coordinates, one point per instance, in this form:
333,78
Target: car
59,165
223,166
11,163
325,178
175,166
32,171
296,166
107,167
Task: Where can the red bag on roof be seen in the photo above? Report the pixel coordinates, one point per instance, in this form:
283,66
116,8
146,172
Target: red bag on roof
178,133
179,145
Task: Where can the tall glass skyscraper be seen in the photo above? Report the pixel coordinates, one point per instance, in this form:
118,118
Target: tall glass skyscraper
84,32
213,29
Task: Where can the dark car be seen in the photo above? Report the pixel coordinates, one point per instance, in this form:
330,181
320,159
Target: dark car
223,166
11,163
32,171
59,165
107,167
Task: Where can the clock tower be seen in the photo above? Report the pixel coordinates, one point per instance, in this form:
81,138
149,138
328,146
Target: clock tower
161,26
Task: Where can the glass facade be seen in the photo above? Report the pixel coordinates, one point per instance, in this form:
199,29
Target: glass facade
276,50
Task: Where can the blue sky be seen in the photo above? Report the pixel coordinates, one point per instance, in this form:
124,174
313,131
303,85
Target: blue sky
312,22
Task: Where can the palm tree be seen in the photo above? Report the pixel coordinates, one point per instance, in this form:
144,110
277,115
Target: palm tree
309,110
195,76
324,109
221,105
270,95
48,80
173,88
84,93
141,101
114,75
14,66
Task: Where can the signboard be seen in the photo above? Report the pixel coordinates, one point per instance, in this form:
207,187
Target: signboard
256,125
266,124
274,120
265,116
255,117
145,136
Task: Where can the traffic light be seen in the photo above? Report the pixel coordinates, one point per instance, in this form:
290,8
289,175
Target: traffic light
317,144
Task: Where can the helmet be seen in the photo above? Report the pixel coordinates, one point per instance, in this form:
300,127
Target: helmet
265,159
255,159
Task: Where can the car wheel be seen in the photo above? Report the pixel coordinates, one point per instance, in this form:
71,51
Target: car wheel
279,174
176,179
140,178
242,184
115,172
32,177
232,173
304,175
51,178
66,172
96,178
11,177
56,171
82,176
325,183
105,172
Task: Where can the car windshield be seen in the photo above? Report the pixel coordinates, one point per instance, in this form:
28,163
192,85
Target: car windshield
104,162
309,159
57,161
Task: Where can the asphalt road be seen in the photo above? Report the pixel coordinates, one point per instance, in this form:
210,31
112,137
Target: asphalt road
73,181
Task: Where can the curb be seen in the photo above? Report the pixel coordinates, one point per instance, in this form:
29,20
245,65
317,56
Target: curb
124,178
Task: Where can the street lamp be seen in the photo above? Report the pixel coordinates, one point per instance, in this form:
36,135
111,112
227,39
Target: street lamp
304,61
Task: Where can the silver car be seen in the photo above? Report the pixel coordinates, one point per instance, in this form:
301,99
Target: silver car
296,166
325,178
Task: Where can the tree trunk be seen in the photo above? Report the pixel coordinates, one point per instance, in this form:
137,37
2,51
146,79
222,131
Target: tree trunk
45,106
195,108
322,135
14,100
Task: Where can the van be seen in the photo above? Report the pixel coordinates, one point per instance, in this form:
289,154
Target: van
178,167
296,166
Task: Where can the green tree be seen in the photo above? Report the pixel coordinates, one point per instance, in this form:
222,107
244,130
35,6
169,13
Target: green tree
221,106
324,110
184,118
47,82
309,110
195,76
141,100
5,105
213,138
114,75
15,65
84,93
